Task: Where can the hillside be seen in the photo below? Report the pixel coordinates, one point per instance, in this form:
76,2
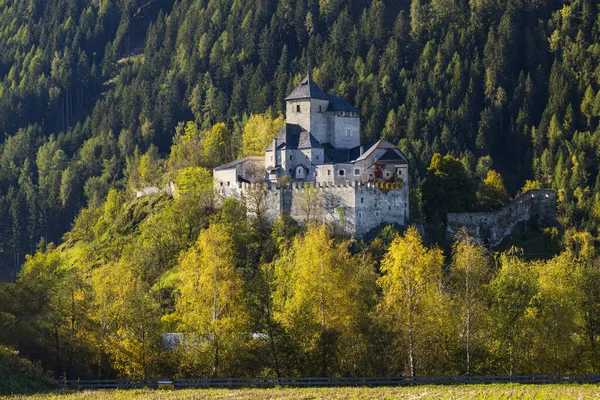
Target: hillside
87,88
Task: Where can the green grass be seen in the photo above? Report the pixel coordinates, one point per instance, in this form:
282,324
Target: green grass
508,391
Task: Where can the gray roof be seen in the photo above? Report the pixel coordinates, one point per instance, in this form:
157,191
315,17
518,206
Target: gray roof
307,89
235,163
337,156
381,144
336,103
391,155
292,136
308,141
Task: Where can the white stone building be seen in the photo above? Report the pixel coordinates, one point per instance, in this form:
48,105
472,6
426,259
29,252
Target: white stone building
320,145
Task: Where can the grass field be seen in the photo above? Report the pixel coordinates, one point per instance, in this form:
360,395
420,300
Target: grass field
474,392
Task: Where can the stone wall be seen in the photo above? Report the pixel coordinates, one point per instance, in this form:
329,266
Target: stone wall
312,117
319,126
345,131
352,207
493,227
375,206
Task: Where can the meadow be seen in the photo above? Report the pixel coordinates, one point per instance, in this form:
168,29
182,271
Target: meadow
504,392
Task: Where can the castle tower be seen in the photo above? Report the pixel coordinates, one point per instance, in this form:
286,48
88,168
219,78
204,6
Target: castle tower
307,107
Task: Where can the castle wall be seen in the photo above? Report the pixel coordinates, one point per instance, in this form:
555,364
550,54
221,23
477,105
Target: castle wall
319,126
375,206
345,131
329,173
312,117
349,206
226,182
301,118
493,227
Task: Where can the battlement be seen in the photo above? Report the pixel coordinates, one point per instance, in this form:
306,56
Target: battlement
300,185
353,206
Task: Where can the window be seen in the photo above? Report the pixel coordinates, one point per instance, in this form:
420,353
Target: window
290,170
328,172
317,156
298,108
320,110
362,200
221,183
228,183
291,158
387,174
341,172
300,170
357,172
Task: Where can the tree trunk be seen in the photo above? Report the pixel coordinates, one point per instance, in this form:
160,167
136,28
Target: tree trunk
272,339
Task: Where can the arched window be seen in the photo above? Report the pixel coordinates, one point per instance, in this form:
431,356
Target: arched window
298,108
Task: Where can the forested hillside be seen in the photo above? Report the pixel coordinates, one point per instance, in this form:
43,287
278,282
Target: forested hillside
101,98
89,87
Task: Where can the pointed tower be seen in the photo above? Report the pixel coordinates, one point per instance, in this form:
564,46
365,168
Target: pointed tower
307,107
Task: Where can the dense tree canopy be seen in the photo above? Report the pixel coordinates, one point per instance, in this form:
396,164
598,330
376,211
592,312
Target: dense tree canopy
93,92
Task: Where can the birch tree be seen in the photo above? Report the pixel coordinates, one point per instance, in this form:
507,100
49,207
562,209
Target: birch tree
319,290
210,307
470,270
411,290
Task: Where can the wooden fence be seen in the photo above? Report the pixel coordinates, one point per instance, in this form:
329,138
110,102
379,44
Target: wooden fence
233,383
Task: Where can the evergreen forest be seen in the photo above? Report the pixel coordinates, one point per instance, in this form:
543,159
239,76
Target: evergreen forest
100,98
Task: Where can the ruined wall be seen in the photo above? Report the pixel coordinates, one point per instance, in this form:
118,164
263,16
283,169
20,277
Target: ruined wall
493,227
352,207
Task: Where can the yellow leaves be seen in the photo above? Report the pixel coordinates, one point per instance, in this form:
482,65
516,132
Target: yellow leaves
318,285
40,266
582,244
210,306
531,185
193,147
258,133
492,193
193,181
128,317
114,201
411,273
566,11
211,288
554,41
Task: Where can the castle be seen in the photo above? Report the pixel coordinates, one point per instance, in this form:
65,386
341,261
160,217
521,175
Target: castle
316,169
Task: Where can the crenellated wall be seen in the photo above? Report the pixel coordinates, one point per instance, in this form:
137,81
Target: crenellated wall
354,207
493,227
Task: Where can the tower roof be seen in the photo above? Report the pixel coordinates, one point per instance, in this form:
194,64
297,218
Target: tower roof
307,89
293,136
